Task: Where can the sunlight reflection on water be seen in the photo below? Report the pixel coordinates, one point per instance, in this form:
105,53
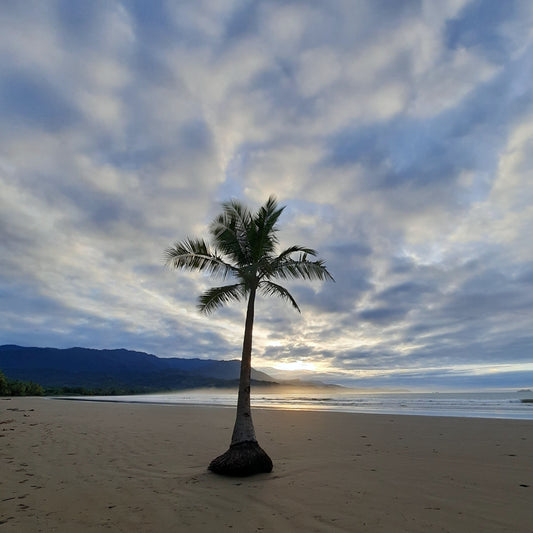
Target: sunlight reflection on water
480,405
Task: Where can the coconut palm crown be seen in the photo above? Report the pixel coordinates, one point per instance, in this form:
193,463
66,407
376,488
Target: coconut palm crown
243,248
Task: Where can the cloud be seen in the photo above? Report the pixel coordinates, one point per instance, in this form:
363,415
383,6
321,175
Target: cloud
397,134
30,100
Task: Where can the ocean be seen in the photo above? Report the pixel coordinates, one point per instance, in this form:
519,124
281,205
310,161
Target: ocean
506,405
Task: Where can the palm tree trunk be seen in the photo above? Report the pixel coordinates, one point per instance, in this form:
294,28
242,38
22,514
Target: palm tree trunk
243,430
244,457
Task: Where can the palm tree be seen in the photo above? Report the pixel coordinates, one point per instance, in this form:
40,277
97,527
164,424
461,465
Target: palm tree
243,248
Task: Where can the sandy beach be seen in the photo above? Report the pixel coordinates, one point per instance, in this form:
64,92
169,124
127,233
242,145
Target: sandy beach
90,466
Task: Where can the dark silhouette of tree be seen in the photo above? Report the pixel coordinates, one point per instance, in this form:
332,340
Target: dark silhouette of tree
19,388
5,389
244,248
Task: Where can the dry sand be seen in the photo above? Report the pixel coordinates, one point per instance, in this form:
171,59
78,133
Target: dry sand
81,466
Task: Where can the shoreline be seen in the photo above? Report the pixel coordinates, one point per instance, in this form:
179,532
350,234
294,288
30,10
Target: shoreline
463,407
87,466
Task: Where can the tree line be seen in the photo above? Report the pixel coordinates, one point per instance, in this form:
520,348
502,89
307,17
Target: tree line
10,387
16,387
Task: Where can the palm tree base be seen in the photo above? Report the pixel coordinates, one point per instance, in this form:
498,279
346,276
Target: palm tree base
242,459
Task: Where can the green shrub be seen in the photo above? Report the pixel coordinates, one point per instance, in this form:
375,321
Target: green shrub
19,388
4,386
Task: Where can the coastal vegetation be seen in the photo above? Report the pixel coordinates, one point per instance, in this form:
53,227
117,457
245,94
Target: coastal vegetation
9,387
243,247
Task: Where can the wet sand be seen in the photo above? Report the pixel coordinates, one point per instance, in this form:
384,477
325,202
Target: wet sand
89,466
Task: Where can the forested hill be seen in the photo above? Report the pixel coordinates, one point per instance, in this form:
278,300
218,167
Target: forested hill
117,369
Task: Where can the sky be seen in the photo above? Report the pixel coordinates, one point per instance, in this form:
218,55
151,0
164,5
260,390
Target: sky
399,136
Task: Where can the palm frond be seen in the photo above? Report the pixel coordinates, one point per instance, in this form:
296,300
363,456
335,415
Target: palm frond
269,265
296,248
216,297
269,288
195,254
262,233
229,231
301,268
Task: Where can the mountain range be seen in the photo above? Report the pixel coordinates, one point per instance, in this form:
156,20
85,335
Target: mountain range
121,370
